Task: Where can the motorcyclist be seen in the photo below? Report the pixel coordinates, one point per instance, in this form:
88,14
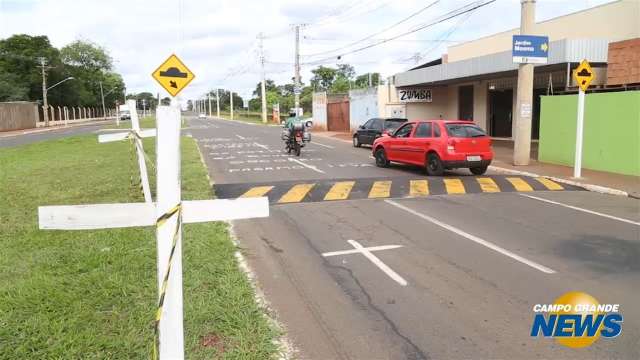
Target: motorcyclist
291,121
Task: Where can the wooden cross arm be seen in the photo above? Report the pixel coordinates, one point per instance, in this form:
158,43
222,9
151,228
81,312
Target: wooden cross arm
123,135
107,216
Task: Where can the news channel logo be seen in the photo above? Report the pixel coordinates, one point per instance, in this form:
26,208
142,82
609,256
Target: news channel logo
576,320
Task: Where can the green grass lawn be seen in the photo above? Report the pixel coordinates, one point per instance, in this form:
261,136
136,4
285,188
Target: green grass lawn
92,294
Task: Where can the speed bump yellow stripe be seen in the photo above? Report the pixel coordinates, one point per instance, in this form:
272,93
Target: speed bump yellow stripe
454,186
549,184
488,185
340,190
519,184
380,189
296,193
257,191
418,188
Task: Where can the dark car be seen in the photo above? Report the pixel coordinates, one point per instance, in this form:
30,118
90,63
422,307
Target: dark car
373,129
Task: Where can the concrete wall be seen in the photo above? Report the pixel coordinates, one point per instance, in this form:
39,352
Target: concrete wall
444,104
614,21
319,110
611,131
363,105
624,62
18,115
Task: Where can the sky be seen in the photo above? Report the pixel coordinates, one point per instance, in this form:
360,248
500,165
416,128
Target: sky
218,40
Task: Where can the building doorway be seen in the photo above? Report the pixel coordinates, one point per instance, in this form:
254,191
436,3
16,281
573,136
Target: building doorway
465,102
338,116
500,112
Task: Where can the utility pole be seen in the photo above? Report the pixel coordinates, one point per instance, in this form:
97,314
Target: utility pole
524,108
209,98
217,102
262,86
231,99
45,104
104,110
296,87
369,79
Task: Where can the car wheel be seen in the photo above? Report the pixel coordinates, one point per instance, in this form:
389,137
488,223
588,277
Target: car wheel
356,141
434,165
381,158
478,170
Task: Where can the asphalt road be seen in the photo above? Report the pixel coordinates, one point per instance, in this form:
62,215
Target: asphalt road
450,276
16,139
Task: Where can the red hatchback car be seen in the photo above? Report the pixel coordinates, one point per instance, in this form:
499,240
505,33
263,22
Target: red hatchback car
438,145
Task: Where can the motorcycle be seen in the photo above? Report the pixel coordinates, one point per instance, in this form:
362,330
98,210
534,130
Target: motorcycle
295,139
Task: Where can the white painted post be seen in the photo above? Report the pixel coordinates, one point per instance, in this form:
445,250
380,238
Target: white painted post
168,196
135,126
577,166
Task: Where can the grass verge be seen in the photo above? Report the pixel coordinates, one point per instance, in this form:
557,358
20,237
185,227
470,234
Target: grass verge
92,294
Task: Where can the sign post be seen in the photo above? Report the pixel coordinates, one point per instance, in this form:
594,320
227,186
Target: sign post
583,76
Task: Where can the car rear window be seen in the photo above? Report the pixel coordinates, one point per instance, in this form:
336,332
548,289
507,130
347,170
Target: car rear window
391,124
464,130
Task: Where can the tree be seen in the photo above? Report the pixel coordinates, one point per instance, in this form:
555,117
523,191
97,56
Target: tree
86,55
362,81
11,89
268,85
346,71
323,78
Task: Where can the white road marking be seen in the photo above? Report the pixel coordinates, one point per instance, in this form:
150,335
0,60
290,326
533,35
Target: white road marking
327,146
260,145
583,210
240,137
366,251
475,239
307,165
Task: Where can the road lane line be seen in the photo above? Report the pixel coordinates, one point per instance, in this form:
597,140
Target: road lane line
340,190
549,184
356,251
488,185
380,189
583,210
260,145
240,137
327,146
296,193
418,188
377,262
519,184
306,165
475,239
454,186
257,191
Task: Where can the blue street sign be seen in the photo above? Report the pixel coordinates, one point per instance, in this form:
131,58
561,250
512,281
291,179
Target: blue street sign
530,49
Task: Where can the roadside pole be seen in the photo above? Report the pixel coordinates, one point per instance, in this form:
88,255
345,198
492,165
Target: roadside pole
45,104
218,102
296,89
522,136
262,86
577,167
104,110
231,97
583,75
209,98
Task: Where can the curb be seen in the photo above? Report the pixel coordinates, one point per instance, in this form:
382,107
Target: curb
589,187
53,128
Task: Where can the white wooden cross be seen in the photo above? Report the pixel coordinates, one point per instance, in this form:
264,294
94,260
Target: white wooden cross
137,134
100,216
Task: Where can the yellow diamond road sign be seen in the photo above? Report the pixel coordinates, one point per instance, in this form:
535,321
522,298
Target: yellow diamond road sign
583,75
173,75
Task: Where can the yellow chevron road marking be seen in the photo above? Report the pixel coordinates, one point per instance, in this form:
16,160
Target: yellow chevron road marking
257,191
418,188
454,186
296,193
380,189
340,190
549,184
488,185
519,184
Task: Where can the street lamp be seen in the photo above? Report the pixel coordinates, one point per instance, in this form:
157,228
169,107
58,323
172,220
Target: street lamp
44,98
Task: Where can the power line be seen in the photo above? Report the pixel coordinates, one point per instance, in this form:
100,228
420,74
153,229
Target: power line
454,13
379,32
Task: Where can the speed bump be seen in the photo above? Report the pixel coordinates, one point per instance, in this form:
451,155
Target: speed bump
287,192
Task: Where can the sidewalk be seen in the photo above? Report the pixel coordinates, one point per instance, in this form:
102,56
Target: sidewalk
599,181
